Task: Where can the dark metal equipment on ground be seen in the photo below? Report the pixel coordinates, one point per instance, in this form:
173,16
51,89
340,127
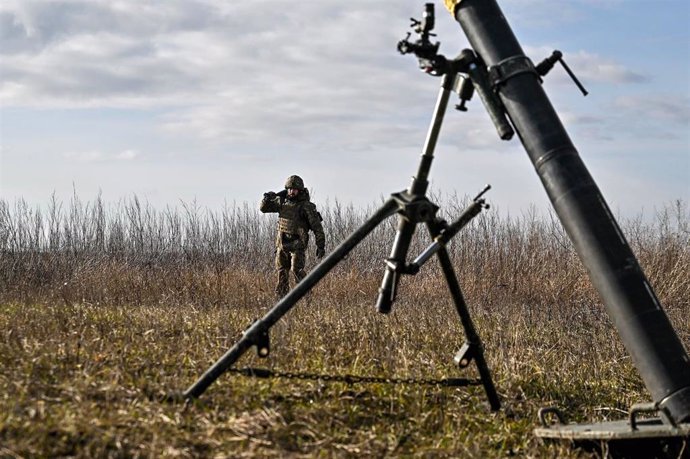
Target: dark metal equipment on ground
630,438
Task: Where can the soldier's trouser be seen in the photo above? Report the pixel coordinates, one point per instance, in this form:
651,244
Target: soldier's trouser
287,261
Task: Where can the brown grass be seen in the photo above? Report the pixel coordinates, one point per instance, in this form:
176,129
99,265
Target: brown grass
105,309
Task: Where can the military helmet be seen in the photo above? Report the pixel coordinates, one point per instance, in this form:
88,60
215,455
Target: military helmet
294,181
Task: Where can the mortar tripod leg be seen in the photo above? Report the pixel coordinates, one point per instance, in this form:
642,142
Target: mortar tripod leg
470,332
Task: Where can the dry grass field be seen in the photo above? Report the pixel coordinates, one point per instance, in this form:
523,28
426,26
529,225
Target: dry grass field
106,308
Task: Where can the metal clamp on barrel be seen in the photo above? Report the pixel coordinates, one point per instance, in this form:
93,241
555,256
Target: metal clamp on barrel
508,68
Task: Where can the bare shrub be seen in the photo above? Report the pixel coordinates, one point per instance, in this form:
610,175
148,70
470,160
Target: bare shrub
130,253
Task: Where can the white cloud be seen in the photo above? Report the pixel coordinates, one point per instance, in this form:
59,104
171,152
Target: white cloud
126,155
665,108
95,156
84,156
587,67
597,68
266,79
240,73
237,73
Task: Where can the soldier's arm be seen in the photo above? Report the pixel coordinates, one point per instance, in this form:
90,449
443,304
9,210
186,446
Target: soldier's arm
270,202
315,225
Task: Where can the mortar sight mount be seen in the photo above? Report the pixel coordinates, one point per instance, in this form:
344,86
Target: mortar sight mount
472,72
423,48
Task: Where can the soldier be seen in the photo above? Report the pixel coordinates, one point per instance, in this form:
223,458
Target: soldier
296,216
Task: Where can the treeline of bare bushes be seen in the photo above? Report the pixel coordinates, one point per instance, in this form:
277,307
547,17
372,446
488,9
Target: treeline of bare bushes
130,253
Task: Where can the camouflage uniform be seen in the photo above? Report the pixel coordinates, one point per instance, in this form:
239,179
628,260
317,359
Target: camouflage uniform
296,216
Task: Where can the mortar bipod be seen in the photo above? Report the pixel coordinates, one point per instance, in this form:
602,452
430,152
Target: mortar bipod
413,208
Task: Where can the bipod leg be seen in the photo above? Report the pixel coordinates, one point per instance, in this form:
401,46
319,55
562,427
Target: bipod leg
260,328
414,206
391,277
473,348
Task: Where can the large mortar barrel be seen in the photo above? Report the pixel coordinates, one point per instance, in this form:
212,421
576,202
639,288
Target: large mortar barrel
645,330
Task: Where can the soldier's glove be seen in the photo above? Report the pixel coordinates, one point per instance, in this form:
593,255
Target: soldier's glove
320,252
269,195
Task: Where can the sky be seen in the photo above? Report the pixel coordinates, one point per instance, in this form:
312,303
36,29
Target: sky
218,101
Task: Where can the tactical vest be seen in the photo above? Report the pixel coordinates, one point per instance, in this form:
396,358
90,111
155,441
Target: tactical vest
291,220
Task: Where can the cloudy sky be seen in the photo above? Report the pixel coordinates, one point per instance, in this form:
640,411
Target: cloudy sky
219,100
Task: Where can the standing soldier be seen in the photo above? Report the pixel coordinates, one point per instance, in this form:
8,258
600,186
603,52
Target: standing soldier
296,216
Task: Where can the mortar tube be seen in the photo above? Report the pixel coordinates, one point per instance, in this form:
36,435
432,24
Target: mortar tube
644,328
